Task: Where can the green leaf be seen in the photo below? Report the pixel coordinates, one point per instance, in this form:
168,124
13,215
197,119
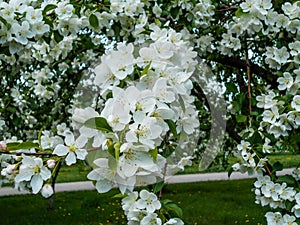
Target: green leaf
289,179
172,127
231,87
117,147
165,201
48,8
174,208
256,138
289,205
239,12
11,109
111,150
168,151
119,195
8,25
112,163
181,102
40,135
241,118
24,145
158,186
174,12
57,37
98,123
254,113
94,21
277,166
230,171
145,70
153,153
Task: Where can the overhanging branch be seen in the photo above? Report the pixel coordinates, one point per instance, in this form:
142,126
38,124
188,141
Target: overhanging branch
236,62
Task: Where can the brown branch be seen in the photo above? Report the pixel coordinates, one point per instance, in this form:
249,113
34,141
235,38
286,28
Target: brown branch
227,8
27,153
197,91
249,79
236,62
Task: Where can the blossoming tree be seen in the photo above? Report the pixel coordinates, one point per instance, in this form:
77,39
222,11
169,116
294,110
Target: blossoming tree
128,80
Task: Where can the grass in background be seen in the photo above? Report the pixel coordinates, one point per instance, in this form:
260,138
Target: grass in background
289,160
206,203
73,173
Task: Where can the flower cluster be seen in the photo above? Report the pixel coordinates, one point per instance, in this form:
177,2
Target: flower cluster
26,24
277,218
141,208
28,170
248,163
140,113
273,194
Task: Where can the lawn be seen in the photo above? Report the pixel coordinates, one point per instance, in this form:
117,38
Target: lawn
206,203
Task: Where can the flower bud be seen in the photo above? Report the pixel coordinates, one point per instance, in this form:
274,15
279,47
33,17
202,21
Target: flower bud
47,191
10,169
51,163
3,145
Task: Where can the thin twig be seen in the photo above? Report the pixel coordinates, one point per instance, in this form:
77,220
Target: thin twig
27,153
249,79
227,9
53,184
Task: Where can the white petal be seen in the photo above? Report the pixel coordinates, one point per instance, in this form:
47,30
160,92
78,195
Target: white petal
104,186
61,150
94,175
36,183
101,162
131,137
45,173
27,160
81,141
71,158
81,154
38,162
24,175
69,140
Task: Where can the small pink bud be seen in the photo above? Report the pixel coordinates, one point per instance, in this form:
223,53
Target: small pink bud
47,191
3,145
51,163
10,169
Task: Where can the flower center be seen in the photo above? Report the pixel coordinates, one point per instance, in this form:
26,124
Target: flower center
72,148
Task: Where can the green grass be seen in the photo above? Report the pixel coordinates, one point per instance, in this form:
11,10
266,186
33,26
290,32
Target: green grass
206,203
288,160
73,173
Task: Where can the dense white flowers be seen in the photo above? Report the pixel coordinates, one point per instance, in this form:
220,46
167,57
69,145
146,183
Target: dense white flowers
138,112
142,207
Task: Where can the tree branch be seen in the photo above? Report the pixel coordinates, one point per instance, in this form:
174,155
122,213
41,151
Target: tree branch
236,62
198,92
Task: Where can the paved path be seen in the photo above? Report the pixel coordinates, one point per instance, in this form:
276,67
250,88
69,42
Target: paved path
188,178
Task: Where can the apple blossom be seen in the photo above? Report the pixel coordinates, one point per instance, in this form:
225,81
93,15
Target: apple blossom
32,170
72,150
